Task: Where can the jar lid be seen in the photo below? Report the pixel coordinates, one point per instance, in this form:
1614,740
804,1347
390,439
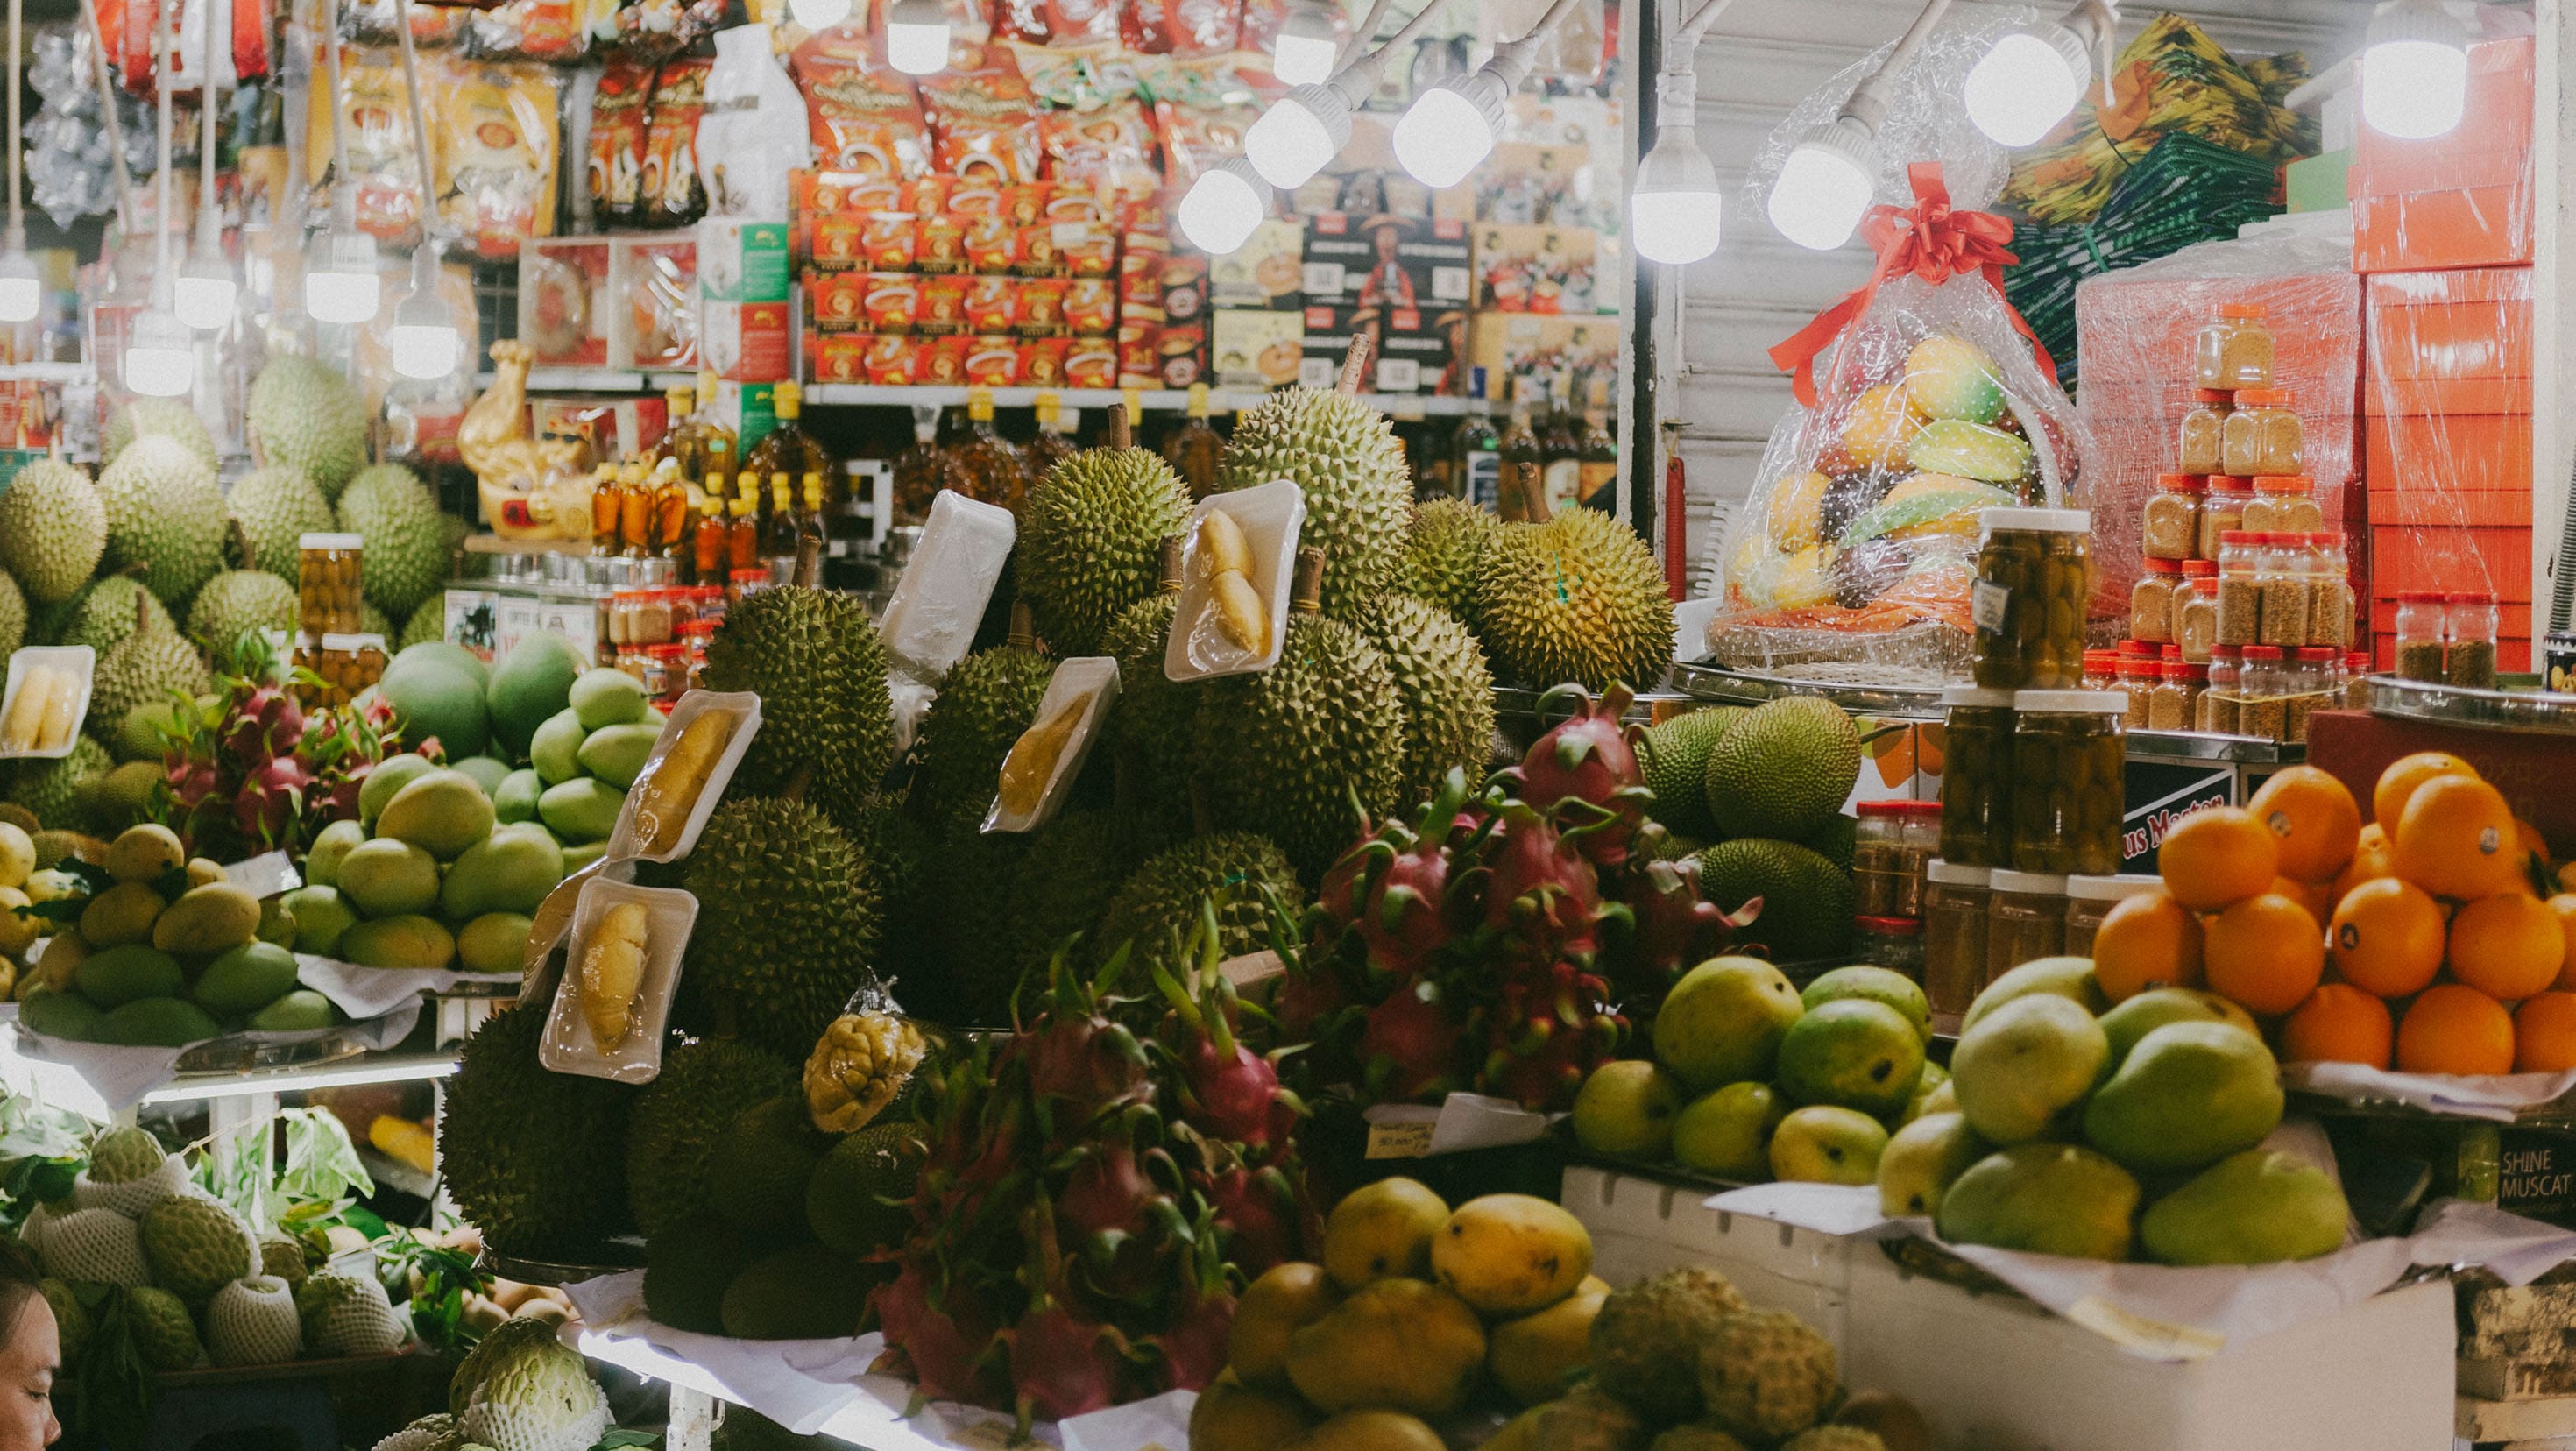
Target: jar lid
2140,665
2111,889
2243,311
2203,584
2136,647
2282,483
2036,521
2358,662
2239,536
1879,808
666,652
2046,884
330,541
1889,926
1930,810
2072,702
2228,484
351,644
2226,654
749,576
2262,652
2182,483
2326,537
2164,566
2326,653
2213,395
699,627
2471,597
2172,653
2263,397
1985,697
1956,874
2420,597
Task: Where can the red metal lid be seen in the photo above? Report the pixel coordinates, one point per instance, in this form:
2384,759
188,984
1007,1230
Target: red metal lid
1890,926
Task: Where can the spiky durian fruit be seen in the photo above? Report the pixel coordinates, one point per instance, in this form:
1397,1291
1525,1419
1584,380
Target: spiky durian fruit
1442,549
704,1086
1441,677
396,515
788,921
62,792
427,623
537,1159
1091,538
305,416
167,418
165,514
1152,722
1359,493
1163,896
53,528
950,961
107,612
1578,598
981,709
143,668
13,616
277,507
238,600
1071,870
820,670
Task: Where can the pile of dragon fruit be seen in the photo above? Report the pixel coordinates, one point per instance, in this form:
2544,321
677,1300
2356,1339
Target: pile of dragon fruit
1508,937
253,771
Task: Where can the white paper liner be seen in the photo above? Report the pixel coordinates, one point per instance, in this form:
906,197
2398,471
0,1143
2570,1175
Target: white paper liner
2496,1097
367,992
121,1076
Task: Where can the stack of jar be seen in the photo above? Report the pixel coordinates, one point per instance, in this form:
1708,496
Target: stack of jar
659,636
329,607
1892,847
2447,639
2033,789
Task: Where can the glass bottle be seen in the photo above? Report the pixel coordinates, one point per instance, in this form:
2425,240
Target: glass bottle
1894,943
743,550
778,524
2170,708
1976,775
2330,597
2419,634
2284,501
809,519
2262,437
993,462
2313,687
788,448
2196,445
1523,463
2025,919
2137,692
709,552
1478,447
634,512
2356,680
712,428
1597,453
2196,610
2240,588
924,469
2286,596
2471,656
1195,449
1956,899
2101,670
1877,843
2260,708
674,498
2169,523
2034,581
2090,899
1049,446
684,435
1561,455
607,510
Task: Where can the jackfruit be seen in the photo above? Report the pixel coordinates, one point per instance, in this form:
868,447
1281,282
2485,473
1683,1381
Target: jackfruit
1091,538
1783,769
1346,458
1296,751
688,1265
1806,900
405,558
537,1159
170,418
61,792
1578,598
13,618
679,1119
854,1202
53,528
305,416
788,920
1673,758
1444,547
982,708
820,671
165,513
276,508
1446,690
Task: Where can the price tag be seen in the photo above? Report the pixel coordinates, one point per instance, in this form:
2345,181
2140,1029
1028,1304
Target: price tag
1399,1141
1989,605
264,875
2156,1339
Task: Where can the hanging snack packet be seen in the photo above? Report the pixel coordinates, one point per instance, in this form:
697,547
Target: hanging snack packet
983,119
863,114
1108,151
497,153
1201,110
617,128
375,117
1179,27
544,30
673,196
750,139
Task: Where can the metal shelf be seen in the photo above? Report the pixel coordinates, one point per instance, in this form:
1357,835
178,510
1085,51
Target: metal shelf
2518,710
1743,687
596,380
1158,400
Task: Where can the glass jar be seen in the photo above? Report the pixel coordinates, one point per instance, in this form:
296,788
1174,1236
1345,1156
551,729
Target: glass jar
1921,843
2470,658
743,583
327,593
2025,919
2285,581
347,662
2262,436
2221,512
2151,601
2169,524
2330,597
2196,610
2240,588
2170,708
2233,350
2137,692
1955,905
2070,769
2196,448
2284,501
1977,776
1894,943
2034,579
2261,706
1877,857
2101,670
2313,686
2090,899
2218,704
2356,680
2420,623
666,671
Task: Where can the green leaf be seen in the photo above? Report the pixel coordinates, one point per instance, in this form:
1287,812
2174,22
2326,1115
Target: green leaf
321,1163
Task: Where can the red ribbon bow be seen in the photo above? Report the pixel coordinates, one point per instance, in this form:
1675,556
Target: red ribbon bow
1928,240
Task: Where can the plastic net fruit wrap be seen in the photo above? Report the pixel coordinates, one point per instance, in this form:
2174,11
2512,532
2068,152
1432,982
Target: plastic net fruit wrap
1925,406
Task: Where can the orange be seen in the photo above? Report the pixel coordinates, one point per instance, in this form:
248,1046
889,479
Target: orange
2317,897
2266,952
2455,1029
2563,907
2533,842
2456,839
2218,855
2369,861
2507,945
2398,782
2544,1033
2315,818
2147,941
2387,937
2339,1023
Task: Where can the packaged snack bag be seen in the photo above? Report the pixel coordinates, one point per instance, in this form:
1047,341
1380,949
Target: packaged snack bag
673,196
496,153
983,119
615,165
864,114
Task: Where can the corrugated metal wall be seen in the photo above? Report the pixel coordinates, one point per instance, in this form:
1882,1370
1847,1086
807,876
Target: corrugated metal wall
1761,58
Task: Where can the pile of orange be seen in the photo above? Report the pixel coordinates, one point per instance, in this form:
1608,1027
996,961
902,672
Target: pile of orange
2436,954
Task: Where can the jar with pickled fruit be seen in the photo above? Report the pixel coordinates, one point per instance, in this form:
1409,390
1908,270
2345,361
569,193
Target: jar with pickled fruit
2196,446
1920,844
2025,919
2469,658
2218,702
1894,943
2233,350
2286,592
328,596
2420,623
1877,850
2070,774
2090,899
2196,610
2313,686
1956,898
666,671
1976,775
2330,597
2034,579
2151,601
348,663
2284,501
2222,513
2169,522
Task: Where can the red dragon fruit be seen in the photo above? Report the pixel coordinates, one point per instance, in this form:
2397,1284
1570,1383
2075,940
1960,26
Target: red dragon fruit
1264,1219
1542,898
939,1342
1121,1221
1670,929
262,724
271,798
1409,1043
1546,1028
1064,1362
1080,1061
1194,1348
1584,771
1227,1090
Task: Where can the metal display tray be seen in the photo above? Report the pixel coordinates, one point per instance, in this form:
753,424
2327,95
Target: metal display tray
2514,710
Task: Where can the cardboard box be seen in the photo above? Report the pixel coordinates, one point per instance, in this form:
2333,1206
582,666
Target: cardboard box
746,342
1528,348
2460,453
2494,558
1264,272
1535,269
2472,323
1417,351
2535,770
2469,215
1386,261
1253,349
741,261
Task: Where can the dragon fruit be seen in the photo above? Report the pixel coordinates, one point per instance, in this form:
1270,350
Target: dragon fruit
1263,1216
1408,1044
1584,771
1194,1348
1670,929
940,1345
1227,1091
270,800
1545,1029
1542,896
262,723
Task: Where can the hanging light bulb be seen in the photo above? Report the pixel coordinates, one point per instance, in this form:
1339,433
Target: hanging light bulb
1223,207
22,291
1303,130
1675,206
1824,187
205,287
424,341
917,37
160,357
1303,52
1451,127
818,14
2030,80
2414,72
340,283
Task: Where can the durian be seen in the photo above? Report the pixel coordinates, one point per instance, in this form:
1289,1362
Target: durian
305,416
949,961
141,669
53,528
1153,721
253,1322
427,623
1359,494
1164,895
168,418
704,1086
1073,867
788,921
820,671
1090,540
1580,599
105,613
982,707
1443,549
277,507
13,617
60,792
1448,693
404,560
241,600
164,513
537,1159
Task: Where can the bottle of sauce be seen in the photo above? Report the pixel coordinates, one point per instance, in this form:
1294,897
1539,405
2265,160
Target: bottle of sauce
1597,453
674,499
778,531
606,510
1523,463
1195,449
711,555
634,512
992,461
1049,446
742,546
1478,472
924,469
809,519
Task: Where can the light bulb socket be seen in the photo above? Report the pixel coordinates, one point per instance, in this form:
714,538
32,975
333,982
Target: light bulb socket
1851,140
1307,20
160,356
1675,163
2414,20
917,37
2070,46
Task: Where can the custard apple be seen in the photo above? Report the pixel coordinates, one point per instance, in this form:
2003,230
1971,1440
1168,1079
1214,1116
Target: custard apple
163,1333
196,1245
253,1322
283,1258
129,1173
97,1245
429,1433
1766,1376
528,1391
348,1315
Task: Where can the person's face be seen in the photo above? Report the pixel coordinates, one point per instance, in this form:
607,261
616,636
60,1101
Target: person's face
29,1362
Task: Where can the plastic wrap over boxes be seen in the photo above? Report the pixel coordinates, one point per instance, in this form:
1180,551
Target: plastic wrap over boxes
2463,199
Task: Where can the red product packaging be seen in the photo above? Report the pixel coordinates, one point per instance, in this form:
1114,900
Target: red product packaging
1179,27
837,301
1028,202
1093,363
837,241
940,361
992,362
1041,306
1036,253
1090,307
941,309
1090,249
1108,149
991,304
864,115
892,361
939,242
1184,286
888,241
839,357
1067,23
1200,137
893,302
1184,350
615,167
982,119
672,193
1076,204
746,342
926,194
563,286
1042,362
992,244
1140,271
1140,352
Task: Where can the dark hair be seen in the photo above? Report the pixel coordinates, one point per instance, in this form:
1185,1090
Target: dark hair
20,1279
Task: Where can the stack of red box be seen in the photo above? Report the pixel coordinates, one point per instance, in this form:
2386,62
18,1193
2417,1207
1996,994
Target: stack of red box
2444,228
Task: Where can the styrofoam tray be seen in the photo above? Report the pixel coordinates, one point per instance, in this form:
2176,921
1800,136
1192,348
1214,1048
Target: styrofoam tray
743,703
1096,675
930,622
81,660
567,1046
1271,516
